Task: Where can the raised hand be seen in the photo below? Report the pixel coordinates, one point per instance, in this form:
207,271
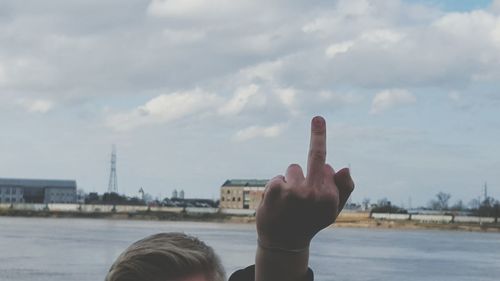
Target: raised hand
295,208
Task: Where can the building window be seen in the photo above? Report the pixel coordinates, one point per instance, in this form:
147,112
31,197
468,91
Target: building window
239,199
228,191
234,199
222,199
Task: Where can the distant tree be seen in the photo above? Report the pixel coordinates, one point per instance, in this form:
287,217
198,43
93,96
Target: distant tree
441,202
383,202
459,206
443,199
92,198
135,201
385,206
148,198
366,203
474,204
488,208
496,209
113,198
80,195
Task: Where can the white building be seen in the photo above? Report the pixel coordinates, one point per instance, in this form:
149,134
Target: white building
37,191
11,194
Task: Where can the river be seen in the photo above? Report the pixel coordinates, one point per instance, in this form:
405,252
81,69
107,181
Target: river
83,249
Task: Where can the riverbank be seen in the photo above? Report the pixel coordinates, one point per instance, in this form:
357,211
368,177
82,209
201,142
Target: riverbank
346,219
410,225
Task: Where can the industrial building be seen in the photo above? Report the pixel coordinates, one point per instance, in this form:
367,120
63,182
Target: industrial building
242,193
37,191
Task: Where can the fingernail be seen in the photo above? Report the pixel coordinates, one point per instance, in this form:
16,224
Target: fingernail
318,123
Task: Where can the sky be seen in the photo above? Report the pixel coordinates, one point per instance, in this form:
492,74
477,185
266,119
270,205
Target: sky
194,92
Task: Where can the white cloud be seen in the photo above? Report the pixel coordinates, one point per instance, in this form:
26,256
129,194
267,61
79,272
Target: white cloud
175,7
382,36
266,71
163,109
259,132
338,48
339,99
461,24
495,6
196,8
36,105
388,99
287,96
355,8
244,97
378,37
175,36
3,75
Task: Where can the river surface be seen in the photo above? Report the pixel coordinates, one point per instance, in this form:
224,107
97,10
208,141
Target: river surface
83,249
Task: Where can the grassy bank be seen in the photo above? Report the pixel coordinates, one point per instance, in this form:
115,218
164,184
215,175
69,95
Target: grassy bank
372,223
356,220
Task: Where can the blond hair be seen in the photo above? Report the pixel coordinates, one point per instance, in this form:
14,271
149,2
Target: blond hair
166,256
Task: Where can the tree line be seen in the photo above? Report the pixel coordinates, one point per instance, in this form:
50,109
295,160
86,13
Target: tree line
485,207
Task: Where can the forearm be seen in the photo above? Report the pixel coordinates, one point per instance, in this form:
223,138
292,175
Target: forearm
278,265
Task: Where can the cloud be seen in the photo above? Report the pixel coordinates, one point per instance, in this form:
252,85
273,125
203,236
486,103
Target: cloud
379,37
264,71
195,8
339,99
244,97
3,77
338,48
36,105
382,36
183,44
175,36
388,99
288,97
259,132
163,109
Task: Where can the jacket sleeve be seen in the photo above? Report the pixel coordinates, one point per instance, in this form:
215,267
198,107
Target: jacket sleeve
248,274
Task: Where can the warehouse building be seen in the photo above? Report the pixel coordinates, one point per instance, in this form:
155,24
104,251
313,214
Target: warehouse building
37,191
242,193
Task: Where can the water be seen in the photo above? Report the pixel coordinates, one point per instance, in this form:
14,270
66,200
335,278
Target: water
83,249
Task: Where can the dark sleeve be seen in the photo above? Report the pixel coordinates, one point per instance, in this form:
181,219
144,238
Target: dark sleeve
248,274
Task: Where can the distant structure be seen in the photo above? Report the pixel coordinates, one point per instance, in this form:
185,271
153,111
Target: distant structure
242,193
37,191
174,194
485,191
141,191
181,194
113,183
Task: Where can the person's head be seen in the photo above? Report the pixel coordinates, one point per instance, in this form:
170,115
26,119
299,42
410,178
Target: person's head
167,257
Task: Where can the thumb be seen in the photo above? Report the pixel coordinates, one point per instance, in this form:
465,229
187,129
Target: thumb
345,184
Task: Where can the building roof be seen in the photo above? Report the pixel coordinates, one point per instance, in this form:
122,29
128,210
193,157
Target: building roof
245,182
37,183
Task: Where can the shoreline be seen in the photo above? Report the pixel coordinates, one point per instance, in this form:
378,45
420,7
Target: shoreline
346,220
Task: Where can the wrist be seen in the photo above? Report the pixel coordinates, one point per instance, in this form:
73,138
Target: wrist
278,264
284,249
285,242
